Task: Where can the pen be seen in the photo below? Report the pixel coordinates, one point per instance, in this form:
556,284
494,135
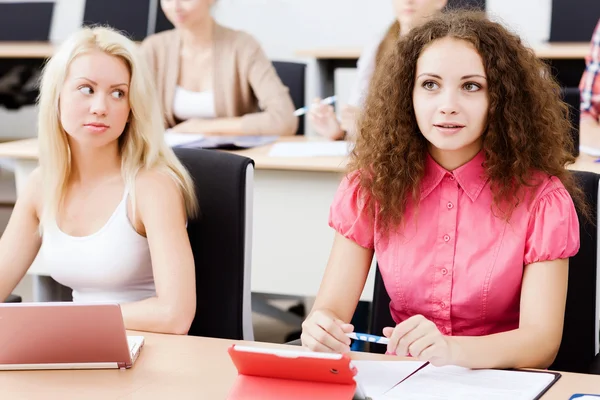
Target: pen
365,337
304,110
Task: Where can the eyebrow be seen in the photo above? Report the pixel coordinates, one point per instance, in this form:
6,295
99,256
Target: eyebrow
95,83
464,77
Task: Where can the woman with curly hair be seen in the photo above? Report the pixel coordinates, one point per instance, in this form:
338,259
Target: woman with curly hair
459,188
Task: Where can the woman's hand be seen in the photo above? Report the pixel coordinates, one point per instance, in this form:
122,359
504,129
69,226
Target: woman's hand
323,119
322,331
420,338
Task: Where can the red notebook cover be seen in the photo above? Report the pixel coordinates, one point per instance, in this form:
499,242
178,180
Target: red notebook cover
273,374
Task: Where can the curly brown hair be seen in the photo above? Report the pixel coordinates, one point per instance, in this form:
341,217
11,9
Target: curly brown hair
528,128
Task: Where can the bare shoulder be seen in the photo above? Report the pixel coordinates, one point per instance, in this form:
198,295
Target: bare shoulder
32,194
156,187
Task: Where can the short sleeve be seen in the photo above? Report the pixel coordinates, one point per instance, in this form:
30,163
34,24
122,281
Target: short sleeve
349,215
553,231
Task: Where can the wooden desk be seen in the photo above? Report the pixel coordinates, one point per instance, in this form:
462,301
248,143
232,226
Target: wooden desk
566,59
185,367
291,237
26,49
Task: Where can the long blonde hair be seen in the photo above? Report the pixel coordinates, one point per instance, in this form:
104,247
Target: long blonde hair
142,145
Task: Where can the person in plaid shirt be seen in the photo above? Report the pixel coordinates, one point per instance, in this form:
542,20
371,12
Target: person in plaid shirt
589,131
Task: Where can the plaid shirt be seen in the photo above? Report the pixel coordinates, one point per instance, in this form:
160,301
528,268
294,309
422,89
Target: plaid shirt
590,81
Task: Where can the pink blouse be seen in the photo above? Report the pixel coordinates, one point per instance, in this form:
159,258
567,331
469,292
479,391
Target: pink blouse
453,261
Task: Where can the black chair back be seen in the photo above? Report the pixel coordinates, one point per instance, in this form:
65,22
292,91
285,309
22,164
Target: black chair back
580,334
293,75
221,242
572,97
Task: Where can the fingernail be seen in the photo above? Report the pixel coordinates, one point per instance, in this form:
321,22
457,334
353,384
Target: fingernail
390,353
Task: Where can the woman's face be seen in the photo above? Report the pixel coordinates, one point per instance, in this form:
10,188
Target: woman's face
94,100
411,13
450,99
186,13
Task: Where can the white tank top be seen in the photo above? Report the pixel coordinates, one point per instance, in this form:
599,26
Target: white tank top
111,265
188,104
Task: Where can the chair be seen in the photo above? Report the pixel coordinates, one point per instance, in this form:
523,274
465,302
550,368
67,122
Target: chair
572,97
573,20
221,240
13,298
293,74
132,17
580,343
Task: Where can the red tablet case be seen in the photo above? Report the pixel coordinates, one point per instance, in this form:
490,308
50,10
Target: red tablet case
272,376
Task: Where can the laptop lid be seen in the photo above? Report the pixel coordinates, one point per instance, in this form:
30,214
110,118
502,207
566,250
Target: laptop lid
62,335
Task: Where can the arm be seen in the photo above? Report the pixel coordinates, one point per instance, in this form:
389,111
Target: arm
338,295
277,117
590,95
21,240
160,208
535,343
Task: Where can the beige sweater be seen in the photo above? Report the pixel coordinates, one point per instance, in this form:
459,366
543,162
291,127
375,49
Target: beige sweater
245,83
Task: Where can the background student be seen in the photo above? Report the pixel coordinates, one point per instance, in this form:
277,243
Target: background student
458,185
212,79
110,198
590,96
408,13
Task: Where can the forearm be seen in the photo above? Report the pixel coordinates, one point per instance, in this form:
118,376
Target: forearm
153,315
589,126
519,348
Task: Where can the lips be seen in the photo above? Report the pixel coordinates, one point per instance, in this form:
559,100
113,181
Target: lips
97,125
449,128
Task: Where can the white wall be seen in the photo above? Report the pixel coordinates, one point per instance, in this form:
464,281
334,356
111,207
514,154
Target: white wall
284,26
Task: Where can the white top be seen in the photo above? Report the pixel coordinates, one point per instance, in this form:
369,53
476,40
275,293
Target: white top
188,104
365,68
112,265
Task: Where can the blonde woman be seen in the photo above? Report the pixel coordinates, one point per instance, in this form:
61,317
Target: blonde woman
215,80
110,198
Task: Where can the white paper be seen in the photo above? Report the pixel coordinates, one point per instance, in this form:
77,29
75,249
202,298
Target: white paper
174,138
311,149
590,150
377,377
454,383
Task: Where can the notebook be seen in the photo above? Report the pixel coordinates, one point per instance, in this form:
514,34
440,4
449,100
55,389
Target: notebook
64,335
270,373
199,141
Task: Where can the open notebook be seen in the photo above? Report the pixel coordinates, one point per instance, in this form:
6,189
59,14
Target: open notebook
415,380
270,374
200,141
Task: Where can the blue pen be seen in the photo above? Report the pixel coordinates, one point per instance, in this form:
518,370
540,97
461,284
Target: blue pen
365,337
597,160
305,109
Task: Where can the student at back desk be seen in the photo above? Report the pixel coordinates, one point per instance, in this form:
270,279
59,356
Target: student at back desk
590,96
458,185
110,198
212,79
408,14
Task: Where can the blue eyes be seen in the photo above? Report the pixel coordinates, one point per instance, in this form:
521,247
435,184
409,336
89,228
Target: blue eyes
87,90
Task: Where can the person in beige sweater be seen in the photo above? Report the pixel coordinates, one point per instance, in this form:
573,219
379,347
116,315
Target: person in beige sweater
215,80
